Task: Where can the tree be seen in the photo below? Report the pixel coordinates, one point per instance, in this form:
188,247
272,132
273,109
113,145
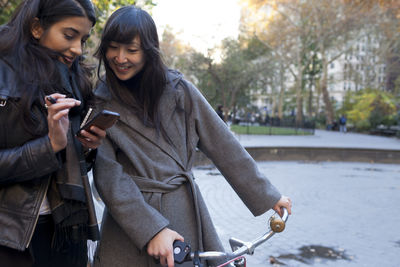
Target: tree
104,9
233,76
7,7
226,80
303,33
285,27
369,108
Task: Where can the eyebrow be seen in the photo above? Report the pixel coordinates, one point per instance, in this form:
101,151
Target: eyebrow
134,43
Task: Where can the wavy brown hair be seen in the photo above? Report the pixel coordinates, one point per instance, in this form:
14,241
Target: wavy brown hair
34,64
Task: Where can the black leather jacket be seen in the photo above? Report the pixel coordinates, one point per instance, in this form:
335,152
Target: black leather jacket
26,163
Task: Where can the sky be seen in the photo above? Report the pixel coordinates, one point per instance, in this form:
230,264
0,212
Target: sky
200,23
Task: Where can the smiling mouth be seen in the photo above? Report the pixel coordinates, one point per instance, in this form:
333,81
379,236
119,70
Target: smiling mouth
68,60
122,68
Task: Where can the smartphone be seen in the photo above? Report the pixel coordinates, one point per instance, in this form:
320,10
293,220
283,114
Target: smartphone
104,120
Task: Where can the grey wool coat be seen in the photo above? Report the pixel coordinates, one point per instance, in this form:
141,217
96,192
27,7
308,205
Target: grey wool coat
147,184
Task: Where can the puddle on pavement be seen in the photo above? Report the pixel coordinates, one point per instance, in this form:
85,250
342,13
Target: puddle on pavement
214,173
205,167
311,254
370,169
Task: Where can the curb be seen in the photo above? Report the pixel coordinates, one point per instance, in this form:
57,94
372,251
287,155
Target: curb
315,154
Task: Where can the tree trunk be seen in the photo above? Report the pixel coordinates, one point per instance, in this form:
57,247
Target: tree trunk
299,93
325,93
299,101
310,98
274,113
281,91
392,70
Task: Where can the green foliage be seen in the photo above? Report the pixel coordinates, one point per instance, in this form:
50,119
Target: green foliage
7,7
226,81
266,130
104,8
369,108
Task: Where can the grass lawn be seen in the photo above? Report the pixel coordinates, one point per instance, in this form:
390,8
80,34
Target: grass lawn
239,129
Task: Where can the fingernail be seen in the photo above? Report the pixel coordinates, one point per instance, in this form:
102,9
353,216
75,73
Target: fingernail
51,99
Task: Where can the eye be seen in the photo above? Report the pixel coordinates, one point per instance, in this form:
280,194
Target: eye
133,50
68,37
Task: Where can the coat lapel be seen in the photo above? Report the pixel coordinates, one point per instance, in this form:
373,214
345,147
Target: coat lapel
132,121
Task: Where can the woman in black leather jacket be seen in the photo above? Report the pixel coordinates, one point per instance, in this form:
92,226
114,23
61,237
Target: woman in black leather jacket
44,89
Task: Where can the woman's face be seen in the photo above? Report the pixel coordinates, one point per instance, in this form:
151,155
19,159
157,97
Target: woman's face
67,37
125,60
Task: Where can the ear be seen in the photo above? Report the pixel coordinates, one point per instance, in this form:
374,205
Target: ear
36,29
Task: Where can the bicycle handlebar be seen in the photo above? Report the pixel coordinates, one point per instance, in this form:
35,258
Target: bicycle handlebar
239,247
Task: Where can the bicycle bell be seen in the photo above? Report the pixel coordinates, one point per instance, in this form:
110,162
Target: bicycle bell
276,224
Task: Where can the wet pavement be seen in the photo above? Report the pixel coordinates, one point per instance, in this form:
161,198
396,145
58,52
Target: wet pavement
344,214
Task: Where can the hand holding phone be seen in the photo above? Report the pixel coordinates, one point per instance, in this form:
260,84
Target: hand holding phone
103,120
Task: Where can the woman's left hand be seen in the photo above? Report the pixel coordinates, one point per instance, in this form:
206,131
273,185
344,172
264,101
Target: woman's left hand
93,138
283,202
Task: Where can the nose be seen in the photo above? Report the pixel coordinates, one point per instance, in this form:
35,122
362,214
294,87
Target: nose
120,56
76,48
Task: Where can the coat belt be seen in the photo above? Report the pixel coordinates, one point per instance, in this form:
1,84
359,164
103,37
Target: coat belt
157,188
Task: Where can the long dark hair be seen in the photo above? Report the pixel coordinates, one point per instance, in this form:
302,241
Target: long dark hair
122,27
34,64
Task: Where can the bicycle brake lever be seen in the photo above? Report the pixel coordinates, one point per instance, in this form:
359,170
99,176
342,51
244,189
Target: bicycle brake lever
181,251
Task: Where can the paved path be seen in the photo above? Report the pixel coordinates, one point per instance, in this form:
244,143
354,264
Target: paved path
322,138
344,214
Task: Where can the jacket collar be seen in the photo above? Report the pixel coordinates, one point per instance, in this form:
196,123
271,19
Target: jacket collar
8,86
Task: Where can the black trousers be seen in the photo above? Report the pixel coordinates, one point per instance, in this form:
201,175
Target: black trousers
40,252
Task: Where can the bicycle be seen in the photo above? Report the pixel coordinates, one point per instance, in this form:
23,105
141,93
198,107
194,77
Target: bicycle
183,253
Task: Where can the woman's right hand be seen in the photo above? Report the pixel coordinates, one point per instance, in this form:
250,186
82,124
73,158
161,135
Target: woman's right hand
161,246
283,202
57,119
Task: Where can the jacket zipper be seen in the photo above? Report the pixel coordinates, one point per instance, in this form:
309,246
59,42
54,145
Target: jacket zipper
38,214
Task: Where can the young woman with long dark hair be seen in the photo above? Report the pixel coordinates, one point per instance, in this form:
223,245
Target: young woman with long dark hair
44,91
143,170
